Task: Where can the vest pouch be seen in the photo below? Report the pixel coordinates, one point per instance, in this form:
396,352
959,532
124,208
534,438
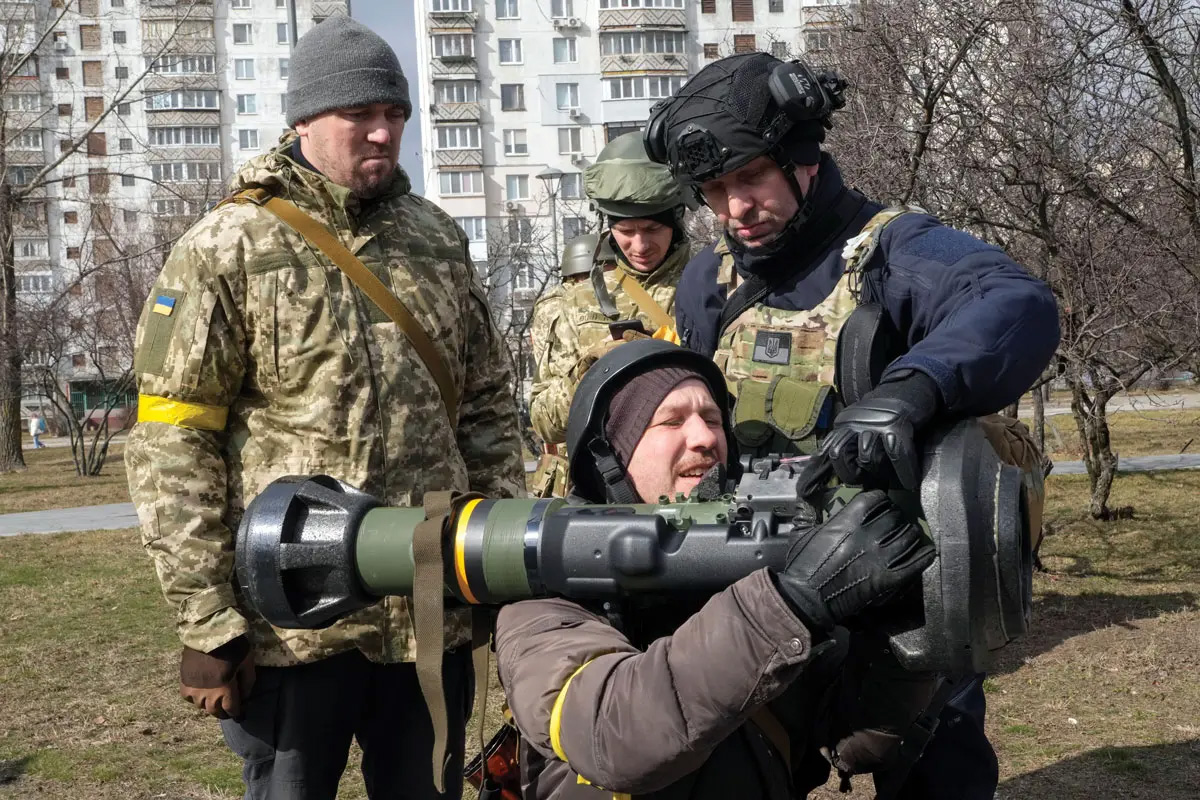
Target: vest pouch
790,408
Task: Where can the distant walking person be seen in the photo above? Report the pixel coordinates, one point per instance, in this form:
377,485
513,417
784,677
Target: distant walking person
37,426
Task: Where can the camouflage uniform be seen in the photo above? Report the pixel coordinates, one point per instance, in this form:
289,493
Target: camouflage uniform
565,327
623,184
257,358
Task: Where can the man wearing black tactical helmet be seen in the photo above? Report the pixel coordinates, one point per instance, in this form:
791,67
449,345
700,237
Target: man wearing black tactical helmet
938,321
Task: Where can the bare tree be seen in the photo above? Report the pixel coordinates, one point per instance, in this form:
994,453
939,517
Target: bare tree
31,32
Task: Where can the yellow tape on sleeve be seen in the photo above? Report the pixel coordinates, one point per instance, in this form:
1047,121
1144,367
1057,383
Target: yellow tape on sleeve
197,416
556,714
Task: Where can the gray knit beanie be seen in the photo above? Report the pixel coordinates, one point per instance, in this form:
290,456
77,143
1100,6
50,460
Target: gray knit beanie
342,63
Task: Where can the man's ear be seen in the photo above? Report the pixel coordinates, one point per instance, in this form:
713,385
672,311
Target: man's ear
301,127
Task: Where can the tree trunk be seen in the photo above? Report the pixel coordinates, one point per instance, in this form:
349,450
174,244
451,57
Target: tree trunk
11,457
1039,419
1013,410
1091,418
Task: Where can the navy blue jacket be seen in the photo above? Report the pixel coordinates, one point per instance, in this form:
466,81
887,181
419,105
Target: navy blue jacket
974,321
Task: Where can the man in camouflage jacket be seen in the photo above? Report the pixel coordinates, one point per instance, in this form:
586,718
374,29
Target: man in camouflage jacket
257,358
644,211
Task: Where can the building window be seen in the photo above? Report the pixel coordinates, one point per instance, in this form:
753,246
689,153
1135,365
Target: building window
28,140
613,44
566,95
571,187
507,9
641,3
64,109
520,231
93,107
570,140
247,104
73,253
452,183
564,51
242,33
281,33
128,180
180,171
281,3
457,137
516,187
239,3
28,102
79,360
515,143
36,283
243,69
454,45
743,10
283,103
70,217
183,29
744,43
89,37
248,139
452,5
614,129
97,144
574,226
562,8
708,6
183,65
125,145
184,99
780,49
117,3
284,65
118,37
775,6
652,86
510,51
122,73
129,216
512,97
186,136
712,50
173,207
817,41
62,73
474,227
31,248
122,109
93,73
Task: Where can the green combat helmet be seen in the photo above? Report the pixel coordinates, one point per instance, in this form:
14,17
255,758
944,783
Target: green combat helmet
625,183
579,253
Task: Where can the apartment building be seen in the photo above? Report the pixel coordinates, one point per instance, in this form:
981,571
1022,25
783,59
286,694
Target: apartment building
521,95
183,92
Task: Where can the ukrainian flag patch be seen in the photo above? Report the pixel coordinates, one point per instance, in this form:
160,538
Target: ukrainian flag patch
164,305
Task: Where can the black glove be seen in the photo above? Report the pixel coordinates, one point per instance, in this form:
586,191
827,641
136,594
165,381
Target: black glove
873,441
861,557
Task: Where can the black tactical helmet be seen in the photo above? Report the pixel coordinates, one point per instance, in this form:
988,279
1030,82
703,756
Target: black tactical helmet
595,472
739,108
579,254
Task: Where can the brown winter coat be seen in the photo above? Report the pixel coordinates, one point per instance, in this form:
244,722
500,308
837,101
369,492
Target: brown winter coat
671,721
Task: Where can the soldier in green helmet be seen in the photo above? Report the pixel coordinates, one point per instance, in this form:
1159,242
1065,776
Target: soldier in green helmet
641,208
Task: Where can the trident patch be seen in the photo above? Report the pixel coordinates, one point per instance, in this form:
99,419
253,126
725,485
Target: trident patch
772,347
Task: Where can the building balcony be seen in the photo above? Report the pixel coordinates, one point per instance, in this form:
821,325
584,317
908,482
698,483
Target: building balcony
181,45
458,158
453,20
616,18
158,153
177,9
455,66
21,158
446,112
161,82
644,62
322,9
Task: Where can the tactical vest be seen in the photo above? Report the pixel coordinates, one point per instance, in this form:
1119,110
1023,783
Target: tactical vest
780,365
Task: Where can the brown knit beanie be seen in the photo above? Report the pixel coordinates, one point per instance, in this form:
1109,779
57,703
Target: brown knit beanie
633,406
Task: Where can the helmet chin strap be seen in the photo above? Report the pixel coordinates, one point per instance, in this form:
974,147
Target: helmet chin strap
617,487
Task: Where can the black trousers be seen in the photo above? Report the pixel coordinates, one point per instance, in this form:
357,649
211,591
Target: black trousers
299,721
959,762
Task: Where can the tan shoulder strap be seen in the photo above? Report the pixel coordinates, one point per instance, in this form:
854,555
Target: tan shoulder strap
776,734
324,240
859,249
648,305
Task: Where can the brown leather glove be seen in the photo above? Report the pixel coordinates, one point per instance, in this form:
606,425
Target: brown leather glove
597,352
217,682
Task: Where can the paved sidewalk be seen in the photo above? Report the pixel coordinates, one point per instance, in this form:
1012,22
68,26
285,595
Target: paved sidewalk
59,520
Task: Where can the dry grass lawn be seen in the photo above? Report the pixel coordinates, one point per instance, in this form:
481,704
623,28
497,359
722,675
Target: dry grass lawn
50,482
1100,702
1134,433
